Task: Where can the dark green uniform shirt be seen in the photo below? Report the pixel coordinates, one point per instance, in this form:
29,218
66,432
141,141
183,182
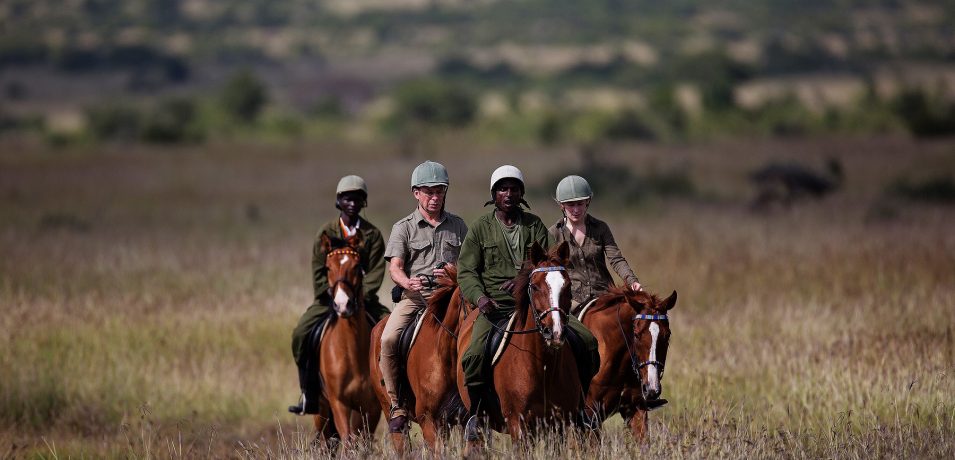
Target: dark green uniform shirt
485,262
372,253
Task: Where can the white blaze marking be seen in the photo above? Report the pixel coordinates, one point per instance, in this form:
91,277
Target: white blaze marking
652,379
556,281
341,299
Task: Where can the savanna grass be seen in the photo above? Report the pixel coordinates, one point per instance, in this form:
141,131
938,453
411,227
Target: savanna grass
161,327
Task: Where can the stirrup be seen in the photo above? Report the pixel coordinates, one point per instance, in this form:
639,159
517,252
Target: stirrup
298,409
474,429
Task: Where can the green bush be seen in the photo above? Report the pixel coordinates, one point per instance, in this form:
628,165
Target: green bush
115,121
172,121
925,114
434,102
244,96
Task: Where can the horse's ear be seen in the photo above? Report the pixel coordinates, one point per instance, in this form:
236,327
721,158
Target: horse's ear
562,252
326,243
669,302
355,240
537,254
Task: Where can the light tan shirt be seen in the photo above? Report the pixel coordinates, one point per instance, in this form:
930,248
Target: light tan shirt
422,246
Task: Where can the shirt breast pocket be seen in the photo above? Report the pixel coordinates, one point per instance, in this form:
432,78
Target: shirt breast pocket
452,249
419,248
490,254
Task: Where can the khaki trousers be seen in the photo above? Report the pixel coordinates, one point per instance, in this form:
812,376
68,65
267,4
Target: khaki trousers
401,317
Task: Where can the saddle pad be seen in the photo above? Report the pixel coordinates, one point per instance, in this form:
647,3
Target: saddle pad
583,311
417,328
505,337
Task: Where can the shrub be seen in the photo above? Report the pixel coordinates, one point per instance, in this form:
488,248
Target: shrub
173,120
244,96
434,102
925,115
115,121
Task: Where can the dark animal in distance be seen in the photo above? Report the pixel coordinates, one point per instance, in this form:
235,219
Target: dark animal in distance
787,183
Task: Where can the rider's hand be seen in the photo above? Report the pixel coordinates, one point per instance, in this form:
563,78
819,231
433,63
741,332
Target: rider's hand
508,287
635,286
439,273
414,284
486,304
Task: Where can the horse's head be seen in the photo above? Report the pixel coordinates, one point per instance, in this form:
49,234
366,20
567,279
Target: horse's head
651,333
548,290
344,273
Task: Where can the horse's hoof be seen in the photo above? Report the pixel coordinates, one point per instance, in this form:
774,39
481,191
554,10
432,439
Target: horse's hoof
398,424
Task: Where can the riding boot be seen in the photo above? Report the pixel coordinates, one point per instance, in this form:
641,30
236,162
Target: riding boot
474,429
397,418
311,390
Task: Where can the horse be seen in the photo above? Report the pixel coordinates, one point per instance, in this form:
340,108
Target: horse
633,333
343,351
431,395
536,378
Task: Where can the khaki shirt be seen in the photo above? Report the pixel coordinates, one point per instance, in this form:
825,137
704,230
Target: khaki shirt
587,268
422,246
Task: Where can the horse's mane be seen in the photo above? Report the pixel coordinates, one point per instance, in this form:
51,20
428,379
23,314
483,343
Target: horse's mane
441,297
635,299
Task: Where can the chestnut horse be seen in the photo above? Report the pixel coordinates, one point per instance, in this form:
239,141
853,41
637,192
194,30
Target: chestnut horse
433,400
633,332
343,351
536,379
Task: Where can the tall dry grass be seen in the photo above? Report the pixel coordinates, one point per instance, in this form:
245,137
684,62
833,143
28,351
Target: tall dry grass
148,297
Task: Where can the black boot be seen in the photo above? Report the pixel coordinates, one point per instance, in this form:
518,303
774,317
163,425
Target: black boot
311,391
474,429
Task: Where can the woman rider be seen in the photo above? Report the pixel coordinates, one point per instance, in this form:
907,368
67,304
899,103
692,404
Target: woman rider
590,242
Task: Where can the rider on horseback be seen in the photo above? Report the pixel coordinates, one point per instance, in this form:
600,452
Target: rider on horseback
491,256
421,242
351,196
590,241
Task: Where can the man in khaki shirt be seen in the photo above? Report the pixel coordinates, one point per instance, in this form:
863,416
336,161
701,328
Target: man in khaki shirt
418,243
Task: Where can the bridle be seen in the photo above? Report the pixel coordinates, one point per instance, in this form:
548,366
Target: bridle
539,327
636,364
341,280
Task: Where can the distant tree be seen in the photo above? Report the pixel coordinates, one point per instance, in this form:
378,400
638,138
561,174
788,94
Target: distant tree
172,121
435,102
113,122
925,115
244,96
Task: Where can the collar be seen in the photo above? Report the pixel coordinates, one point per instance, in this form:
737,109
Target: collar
420,217
347,232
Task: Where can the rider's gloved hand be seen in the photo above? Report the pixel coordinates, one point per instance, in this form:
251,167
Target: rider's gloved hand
508,287
486,304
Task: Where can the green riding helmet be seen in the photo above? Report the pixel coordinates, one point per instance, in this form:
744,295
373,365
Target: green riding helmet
573,188
429,174
351,183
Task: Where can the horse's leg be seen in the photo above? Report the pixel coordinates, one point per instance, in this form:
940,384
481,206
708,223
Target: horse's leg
638,424
342,415
432,435
325,430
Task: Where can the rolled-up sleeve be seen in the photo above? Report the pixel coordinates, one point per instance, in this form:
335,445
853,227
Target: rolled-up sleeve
615,256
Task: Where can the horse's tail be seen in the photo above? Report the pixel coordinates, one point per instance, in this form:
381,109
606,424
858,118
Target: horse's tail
441,297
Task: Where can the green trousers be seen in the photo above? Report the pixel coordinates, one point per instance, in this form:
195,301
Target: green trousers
316,313
474,358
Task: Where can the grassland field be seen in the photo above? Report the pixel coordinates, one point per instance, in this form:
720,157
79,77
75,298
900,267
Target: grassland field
148,296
